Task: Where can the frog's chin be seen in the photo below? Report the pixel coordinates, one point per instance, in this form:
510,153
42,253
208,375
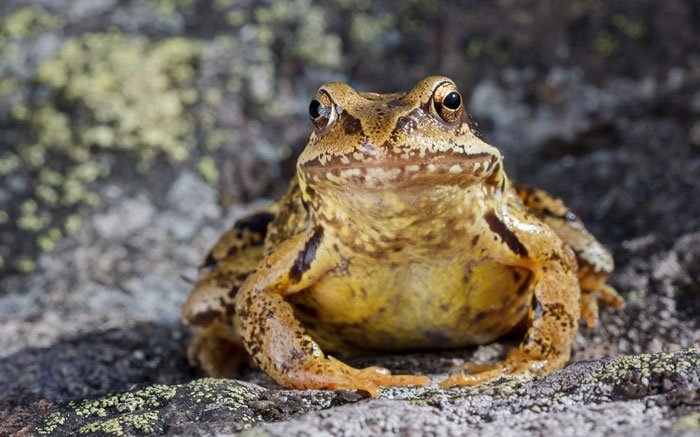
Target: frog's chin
462,170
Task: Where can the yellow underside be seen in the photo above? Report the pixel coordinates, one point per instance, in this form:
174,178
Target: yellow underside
431,305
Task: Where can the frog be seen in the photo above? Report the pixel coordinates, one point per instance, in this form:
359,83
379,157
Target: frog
399,232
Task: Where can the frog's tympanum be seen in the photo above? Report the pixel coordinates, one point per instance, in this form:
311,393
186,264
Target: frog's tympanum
400,232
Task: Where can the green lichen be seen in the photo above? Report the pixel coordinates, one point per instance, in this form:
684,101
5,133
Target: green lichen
149,397
302,27
478,48
221,393
606,44
170,8
503,387
690,422
25,265
630,27
52,421
129,94
141,412
144,423
646,365
365,28
28,22
103,94
208,170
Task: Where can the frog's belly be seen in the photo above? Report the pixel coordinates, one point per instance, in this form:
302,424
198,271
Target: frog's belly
422,306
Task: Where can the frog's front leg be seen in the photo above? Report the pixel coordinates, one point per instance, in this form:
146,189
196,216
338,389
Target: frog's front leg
555,311
277,341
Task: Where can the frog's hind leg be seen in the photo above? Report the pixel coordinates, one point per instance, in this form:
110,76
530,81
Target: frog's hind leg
217,347
594,261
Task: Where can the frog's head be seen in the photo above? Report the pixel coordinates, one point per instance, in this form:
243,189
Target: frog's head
370,141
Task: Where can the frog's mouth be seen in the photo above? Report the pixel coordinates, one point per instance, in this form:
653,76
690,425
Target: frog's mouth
445,168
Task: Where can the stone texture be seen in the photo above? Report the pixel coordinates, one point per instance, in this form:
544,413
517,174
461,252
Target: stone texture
597,102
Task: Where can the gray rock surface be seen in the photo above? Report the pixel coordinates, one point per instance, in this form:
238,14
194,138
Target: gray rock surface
597,102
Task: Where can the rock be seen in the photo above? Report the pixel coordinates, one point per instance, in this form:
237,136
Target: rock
126,217
626,395
573,98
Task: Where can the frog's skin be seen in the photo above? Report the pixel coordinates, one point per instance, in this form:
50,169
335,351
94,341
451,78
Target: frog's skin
401,231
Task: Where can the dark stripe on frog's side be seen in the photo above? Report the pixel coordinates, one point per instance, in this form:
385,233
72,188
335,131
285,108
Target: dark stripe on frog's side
306,256
508,237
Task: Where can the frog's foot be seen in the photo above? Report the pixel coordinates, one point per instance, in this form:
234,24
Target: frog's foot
517,362
218,357
590,301
331,374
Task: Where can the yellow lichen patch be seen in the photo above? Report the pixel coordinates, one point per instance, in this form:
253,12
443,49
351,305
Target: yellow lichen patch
143,422
690,422
146,411
106,92
28,22
132,95
647,364
149,397
52,421
220,392
207,168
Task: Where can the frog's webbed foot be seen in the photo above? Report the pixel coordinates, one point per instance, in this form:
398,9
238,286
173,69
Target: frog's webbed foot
329,373
516,362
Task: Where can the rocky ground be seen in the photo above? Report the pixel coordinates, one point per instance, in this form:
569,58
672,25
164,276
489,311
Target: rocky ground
134,133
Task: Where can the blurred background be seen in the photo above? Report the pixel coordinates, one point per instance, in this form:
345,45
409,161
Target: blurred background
132,133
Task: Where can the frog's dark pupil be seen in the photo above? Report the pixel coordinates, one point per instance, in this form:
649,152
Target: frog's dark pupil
314,109
452,100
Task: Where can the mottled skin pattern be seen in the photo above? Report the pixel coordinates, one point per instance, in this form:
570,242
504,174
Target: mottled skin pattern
400,232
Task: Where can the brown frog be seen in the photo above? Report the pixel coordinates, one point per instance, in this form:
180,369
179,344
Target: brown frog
400,232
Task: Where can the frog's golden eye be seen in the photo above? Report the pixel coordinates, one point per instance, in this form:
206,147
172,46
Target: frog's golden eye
448,102
321,110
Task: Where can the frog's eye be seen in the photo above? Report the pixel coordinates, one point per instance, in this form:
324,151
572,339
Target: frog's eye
448,102
321,110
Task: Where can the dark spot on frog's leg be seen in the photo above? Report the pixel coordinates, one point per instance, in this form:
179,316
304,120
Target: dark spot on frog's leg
559,312
508,237
475,240
307,255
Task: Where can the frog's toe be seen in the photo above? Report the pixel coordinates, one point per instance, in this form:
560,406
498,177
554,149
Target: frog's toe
468,380
388,380
591,300
476,373
589,309
332,374
610,297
